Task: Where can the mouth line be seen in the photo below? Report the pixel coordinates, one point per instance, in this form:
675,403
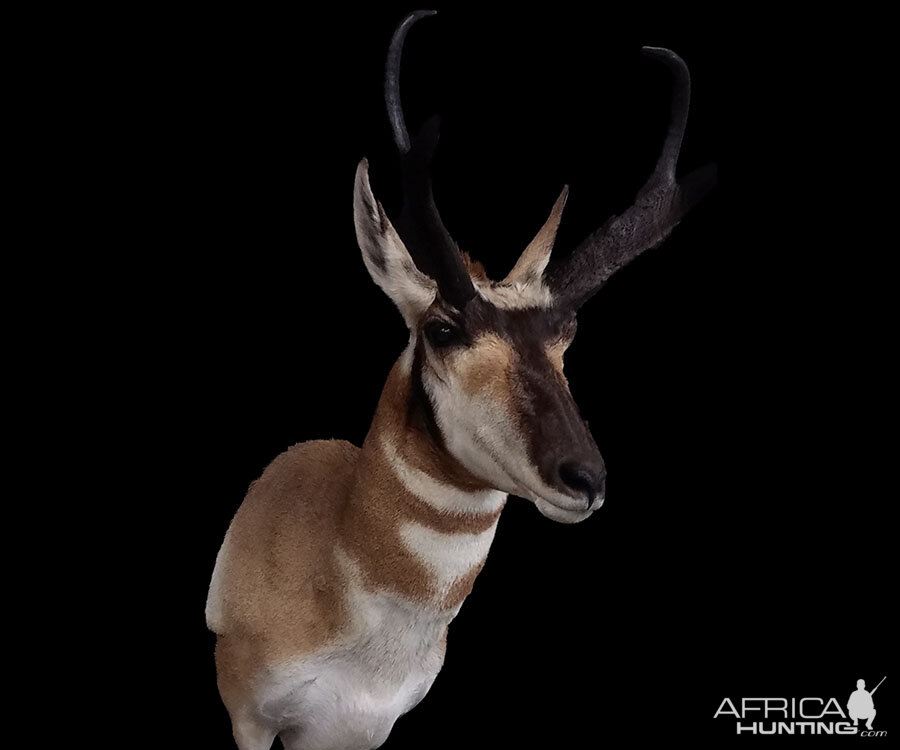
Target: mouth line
576,511
520,484
562,515
585,507
541,496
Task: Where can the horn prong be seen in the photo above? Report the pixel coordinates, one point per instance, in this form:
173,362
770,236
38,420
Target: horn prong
660,204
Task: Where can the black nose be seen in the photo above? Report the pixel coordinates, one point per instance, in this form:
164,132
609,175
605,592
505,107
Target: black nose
583,478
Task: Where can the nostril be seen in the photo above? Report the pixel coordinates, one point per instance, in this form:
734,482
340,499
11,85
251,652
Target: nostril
582,478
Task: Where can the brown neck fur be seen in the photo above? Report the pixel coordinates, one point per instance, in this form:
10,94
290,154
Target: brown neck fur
380,503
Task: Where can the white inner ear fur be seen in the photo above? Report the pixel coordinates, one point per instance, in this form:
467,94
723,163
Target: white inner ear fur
386,257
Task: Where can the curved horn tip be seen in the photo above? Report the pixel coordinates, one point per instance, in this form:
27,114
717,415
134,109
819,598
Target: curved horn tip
661,53
410,19
670,59
392,79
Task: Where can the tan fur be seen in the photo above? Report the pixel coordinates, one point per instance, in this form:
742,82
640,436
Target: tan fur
381,504
474,267
282,588
555,353
391,421
486,367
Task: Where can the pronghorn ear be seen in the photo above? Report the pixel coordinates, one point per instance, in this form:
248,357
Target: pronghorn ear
532,262
385,255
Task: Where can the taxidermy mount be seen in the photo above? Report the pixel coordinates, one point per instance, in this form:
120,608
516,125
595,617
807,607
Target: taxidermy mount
344,566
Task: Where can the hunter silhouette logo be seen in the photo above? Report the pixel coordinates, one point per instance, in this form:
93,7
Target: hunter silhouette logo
860,705
804,715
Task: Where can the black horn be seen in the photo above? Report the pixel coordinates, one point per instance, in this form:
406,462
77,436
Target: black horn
659,206
428,241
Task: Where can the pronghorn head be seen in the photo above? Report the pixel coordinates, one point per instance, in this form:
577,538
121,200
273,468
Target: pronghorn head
487,356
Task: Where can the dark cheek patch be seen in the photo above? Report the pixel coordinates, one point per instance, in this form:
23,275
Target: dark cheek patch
421,411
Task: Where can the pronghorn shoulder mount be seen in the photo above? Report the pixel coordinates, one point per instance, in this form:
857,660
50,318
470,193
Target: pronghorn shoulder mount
342,569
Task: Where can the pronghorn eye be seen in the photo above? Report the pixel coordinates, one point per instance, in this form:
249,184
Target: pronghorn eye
440,333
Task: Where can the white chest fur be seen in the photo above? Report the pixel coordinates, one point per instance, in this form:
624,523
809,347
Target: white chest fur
349,695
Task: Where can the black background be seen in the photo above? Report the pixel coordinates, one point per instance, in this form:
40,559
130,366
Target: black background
743,546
